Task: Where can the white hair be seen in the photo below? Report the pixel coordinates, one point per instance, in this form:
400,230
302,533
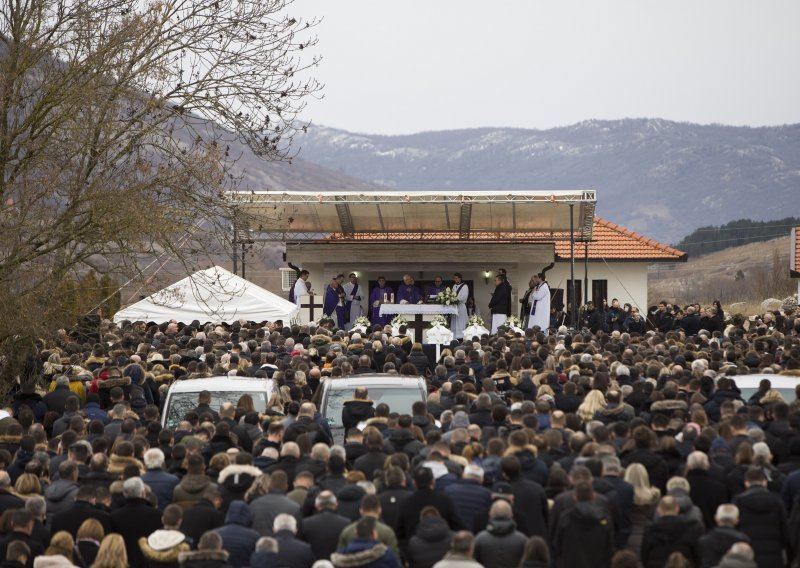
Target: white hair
284,522
727,514
761,449
154,458
473,471
697,460
699,365
133,487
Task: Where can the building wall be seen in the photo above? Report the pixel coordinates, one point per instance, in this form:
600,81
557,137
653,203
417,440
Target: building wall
626,281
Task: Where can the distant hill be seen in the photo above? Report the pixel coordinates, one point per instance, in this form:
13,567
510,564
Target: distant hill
661,178
740,232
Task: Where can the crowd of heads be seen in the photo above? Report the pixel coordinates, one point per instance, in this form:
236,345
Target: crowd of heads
522,439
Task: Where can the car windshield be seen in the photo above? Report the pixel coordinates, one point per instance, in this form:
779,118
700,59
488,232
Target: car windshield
399,400
182,402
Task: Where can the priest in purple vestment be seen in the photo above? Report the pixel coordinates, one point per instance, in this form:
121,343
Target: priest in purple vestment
438,286
383,294
333,305
408,292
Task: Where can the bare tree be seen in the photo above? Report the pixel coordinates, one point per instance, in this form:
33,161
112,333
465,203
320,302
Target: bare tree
115,124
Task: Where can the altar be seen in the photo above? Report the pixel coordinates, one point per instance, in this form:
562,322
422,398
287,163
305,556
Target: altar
422,313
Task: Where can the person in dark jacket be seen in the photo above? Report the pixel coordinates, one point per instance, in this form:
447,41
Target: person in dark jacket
421,498
163,548
27,396
530,501
266,554
375,457
359,409
204,515
161,483
56,399
500,304
393,496
136,519
291,551
644,441
501,545
365,550
209,553
469,496
237,536
322,530
595,527
670,532
84,508
420,361
431,541
706,491
763,518
719,540
21,527
61,494
723,393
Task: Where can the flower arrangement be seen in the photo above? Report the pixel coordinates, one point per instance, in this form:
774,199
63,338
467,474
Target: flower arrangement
325,320
399,320
512,321
439,321
446,298
475,320
362,321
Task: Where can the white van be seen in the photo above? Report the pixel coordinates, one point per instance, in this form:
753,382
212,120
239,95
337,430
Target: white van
182,395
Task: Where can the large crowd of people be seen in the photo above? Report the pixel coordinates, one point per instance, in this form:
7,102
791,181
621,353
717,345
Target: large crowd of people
609,446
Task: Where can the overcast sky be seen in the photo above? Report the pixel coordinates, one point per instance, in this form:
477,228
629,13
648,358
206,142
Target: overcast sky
402,66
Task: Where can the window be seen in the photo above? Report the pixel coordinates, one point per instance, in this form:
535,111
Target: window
599,292
399,400
288,278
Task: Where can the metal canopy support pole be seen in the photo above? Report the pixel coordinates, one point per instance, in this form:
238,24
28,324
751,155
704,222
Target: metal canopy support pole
235,248
573,318
244,245
585,273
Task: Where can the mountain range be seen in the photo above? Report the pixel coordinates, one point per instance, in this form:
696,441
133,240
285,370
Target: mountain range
660,178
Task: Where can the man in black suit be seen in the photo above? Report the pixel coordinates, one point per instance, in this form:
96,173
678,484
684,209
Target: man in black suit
322,530
84,508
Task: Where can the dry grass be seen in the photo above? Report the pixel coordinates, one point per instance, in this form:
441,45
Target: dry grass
762,269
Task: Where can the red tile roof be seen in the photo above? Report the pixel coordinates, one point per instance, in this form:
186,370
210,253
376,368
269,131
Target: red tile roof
612,242
794,269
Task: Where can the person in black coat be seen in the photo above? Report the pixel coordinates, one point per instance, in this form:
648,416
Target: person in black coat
21,528
706,491
592,525
359,409
205,515
56,399
763,518
644,440
500,304
718,541
291,551
431,541
423,497
670,532
374,458
530,501
322,530
136,519
84,508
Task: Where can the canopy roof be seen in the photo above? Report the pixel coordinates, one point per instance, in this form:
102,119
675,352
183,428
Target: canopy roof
794,253
416,215
212,295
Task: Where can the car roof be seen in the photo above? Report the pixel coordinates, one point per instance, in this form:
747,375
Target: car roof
235,384
778,381
384,380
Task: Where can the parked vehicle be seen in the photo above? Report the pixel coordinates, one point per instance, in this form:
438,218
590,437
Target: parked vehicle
400,393
182,395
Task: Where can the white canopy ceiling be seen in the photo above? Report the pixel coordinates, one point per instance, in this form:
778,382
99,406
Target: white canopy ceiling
428,215
212,295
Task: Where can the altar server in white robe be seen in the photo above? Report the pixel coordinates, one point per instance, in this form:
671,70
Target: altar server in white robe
540,304
353,296
460,320
300,287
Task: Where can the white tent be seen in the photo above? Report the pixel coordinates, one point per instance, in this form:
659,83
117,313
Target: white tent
212,295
